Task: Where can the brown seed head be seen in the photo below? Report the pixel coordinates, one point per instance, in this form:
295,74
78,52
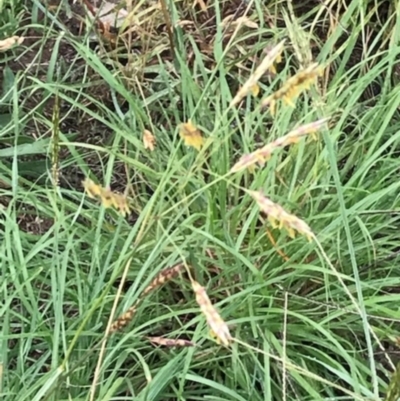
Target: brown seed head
162,277
124,319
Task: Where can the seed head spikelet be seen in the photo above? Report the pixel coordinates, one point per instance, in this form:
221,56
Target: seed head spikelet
262,155
162,277
191,135
107,197
169,342
280,218
267,64
214,320
291,89
123,320
149,140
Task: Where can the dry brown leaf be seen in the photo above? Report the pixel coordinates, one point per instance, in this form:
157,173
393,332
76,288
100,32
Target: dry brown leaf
7,43
149,140
191,135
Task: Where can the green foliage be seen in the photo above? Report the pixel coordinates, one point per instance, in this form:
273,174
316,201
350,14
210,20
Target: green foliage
62,256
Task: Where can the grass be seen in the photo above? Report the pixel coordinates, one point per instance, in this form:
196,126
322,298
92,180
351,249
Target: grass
309,322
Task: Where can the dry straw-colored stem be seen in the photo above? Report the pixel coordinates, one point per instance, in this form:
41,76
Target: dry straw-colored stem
279,217
267,64
262,155
218,326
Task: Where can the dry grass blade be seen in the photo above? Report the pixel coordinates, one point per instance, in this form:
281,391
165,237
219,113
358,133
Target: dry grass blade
291,89
202,5
272,56
169,342
278,217
261,155
214,320
168,23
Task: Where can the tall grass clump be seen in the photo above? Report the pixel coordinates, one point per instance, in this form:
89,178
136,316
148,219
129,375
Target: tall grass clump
199,203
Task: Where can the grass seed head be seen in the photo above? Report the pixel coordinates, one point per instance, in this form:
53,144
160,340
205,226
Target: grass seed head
191,135
149,140
307,129
107,197
214,320
262,155
279,218
123,320
248,161
93,190
291,89
162,277
120,203
169,342
274,55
